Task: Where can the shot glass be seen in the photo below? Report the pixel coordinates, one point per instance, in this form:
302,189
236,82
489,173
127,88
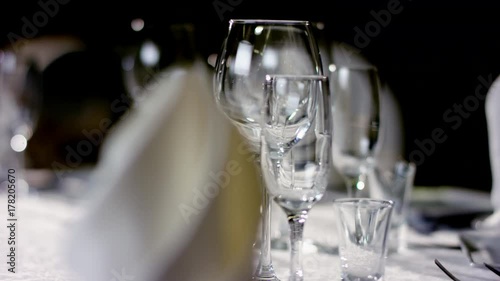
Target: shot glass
363,227
395,184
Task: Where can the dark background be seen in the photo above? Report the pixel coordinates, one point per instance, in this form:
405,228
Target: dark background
431,54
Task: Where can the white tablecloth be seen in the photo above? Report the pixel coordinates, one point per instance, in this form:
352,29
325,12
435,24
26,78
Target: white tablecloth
413,264
44,221
40,236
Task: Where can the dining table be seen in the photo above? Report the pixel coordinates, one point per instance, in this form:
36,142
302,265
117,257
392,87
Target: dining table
44,218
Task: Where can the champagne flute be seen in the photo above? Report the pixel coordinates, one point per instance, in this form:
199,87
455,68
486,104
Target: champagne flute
296,150
252,49
356,115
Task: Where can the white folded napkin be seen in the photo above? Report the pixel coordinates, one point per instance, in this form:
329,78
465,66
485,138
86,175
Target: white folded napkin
169,191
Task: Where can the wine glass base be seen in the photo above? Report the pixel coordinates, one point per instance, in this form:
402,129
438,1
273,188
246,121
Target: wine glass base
265,273
274,278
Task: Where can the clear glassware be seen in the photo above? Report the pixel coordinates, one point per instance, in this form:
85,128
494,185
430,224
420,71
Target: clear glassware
20,99
252,49
150,50
356,121
295,150
21,81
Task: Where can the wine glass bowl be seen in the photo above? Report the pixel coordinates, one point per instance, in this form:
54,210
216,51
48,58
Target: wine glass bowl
289,108
296,178
253,49
356,122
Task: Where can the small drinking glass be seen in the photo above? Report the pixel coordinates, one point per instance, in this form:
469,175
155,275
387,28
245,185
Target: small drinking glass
363,228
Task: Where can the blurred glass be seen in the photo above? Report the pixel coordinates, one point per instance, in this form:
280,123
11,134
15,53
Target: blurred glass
395,184
20,103
59,97
356,118
151,50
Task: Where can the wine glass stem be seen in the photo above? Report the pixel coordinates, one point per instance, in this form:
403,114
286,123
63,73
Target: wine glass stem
265,270
355,184
351,183
266,229
296,223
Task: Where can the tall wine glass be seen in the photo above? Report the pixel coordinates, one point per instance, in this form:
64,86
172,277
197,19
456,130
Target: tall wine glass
251,50
356,115
296,150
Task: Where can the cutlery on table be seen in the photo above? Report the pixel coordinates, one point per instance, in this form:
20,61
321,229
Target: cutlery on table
436,261
492,268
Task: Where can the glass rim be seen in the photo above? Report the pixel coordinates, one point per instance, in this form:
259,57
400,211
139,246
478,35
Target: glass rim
271,77
384,203
270,21
356,67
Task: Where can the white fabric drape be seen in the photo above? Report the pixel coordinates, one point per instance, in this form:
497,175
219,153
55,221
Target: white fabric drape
158,190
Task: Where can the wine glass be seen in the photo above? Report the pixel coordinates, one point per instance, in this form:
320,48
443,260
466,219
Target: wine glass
295,150
150,51
21,82
20,98
356,116
252,49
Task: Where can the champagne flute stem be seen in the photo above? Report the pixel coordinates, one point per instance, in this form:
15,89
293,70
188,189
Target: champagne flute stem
296,223
266,229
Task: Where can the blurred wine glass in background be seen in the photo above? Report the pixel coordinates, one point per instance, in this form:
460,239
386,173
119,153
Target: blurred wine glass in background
60,95
150,50
356,118
20,101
